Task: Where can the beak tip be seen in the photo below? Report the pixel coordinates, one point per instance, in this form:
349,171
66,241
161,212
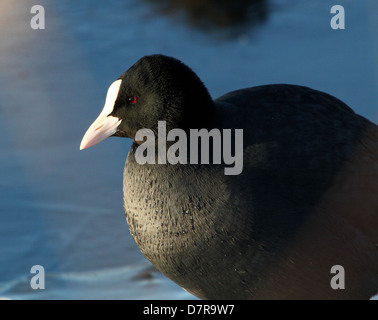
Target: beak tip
84,145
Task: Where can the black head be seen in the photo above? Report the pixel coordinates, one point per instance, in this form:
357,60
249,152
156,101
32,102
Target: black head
156,88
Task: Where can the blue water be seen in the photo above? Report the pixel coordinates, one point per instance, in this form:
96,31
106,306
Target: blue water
62,208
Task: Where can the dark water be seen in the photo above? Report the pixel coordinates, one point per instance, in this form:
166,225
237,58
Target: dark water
61,207
218,17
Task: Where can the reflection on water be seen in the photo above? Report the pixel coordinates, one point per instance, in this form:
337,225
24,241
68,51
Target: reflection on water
227,16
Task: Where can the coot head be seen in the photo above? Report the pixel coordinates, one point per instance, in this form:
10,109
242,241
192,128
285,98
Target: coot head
156,88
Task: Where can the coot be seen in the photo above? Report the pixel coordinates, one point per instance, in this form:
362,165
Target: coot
299,220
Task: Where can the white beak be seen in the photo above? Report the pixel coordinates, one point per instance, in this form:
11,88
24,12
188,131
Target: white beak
105,125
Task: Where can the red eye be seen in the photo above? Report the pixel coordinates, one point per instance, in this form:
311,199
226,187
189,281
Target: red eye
132,99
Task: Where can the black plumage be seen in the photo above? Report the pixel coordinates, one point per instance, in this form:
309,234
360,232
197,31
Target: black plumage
251,235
